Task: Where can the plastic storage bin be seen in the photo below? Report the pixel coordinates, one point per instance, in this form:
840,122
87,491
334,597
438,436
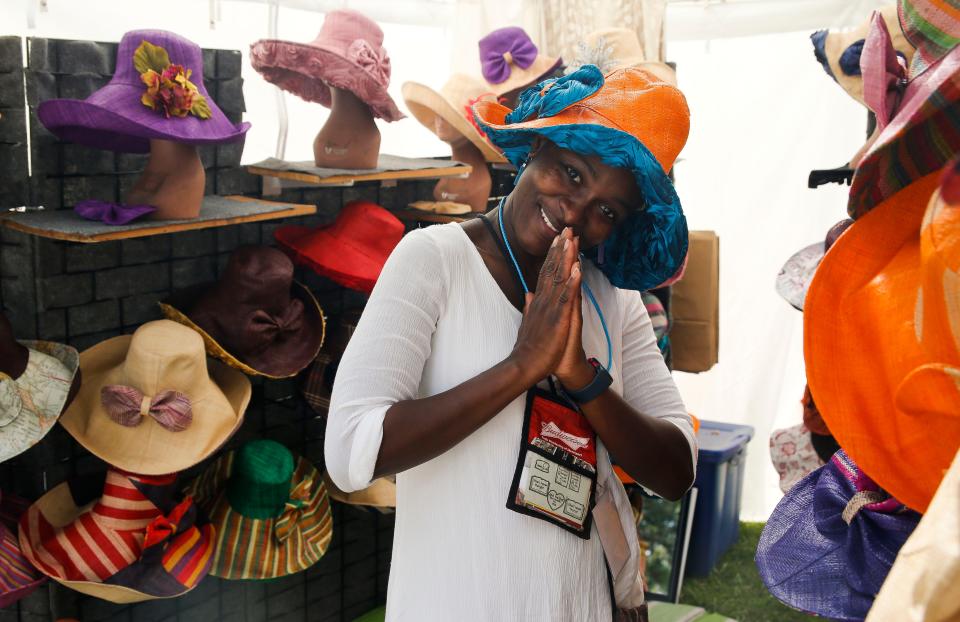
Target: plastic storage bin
720,468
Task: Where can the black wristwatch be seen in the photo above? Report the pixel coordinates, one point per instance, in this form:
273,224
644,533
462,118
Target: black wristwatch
598,385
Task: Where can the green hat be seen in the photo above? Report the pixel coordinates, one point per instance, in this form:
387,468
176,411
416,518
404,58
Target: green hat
270,509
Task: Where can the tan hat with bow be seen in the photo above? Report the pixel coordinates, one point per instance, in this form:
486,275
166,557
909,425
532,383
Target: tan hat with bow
151,404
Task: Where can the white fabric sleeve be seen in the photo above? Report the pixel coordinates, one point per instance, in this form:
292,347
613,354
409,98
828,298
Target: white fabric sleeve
384,360
647,383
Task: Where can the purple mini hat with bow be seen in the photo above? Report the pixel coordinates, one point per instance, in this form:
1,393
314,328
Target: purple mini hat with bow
115,118
347,54
510,60
830,542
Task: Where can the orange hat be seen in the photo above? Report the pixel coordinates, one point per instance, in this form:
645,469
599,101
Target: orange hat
629,118
882,338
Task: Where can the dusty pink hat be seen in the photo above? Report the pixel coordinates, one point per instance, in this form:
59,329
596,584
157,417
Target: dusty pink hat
347,54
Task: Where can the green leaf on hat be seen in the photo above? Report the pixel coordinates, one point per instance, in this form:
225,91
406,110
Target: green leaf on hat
200,107
149,56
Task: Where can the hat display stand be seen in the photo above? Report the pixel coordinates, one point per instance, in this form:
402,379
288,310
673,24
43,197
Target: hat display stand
73,166
472,191
349,139
85,294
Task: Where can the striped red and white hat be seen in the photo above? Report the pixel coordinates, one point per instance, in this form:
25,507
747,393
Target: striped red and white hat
125,538
18,577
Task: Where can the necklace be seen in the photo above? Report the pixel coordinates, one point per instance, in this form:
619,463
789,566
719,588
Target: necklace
583,282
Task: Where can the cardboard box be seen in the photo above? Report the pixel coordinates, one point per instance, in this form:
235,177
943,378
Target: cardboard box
695,306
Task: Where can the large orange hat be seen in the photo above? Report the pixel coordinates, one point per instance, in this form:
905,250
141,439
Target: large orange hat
631,119
882,338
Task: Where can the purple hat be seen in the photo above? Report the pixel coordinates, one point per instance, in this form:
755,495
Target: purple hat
348,54
510,60
18,577
830,542
126,113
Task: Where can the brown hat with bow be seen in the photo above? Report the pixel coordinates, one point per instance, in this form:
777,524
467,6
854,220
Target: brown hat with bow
256,318
151,404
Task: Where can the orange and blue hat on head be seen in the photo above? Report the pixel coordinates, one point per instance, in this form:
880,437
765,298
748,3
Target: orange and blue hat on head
630,119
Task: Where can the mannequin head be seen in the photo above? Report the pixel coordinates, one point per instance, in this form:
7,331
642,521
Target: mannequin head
173,181
350,138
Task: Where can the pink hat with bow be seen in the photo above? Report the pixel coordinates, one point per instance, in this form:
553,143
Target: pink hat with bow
347,54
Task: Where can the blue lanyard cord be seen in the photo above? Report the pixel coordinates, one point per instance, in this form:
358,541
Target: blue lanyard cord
583,282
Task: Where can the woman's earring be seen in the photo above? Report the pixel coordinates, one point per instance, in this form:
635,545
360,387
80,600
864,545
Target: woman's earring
520,170
600,254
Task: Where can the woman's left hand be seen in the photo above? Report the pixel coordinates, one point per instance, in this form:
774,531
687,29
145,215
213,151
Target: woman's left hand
573,370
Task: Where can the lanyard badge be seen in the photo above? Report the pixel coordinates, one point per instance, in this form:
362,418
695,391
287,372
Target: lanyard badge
556,473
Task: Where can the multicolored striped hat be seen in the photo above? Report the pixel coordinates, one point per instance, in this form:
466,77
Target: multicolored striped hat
923,133
18,578
270,509
931,26
124,538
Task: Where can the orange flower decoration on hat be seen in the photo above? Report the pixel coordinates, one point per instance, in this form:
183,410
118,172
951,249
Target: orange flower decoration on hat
882,338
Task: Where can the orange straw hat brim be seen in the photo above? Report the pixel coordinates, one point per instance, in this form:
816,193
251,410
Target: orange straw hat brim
865,334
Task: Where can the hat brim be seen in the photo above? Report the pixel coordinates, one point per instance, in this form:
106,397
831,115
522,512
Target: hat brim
59,509
922,137
540,69
328,256
99,122
309,70
148,448
809,568
236,534
651,245
381,493
426,105
450,208
794,277
857,344
10,509
17,438
177,307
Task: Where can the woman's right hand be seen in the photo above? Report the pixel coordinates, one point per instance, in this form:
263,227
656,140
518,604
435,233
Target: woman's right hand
547,314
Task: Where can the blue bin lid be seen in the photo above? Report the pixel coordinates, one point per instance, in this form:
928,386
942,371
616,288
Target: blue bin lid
721,441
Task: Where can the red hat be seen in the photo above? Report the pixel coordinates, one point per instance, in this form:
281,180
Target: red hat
352,250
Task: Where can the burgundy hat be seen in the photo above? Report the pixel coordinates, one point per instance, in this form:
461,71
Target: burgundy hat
18,577
347,54
256,318
352,250
126,113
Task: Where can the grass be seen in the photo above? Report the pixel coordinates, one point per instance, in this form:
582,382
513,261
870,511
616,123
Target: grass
734,588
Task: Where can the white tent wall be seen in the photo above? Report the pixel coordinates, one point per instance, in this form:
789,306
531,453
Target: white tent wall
763,115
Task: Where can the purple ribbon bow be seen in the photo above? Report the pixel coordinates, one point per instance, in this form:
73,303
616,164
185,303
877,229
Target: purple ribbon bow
128,406
884,77
502,49
111,213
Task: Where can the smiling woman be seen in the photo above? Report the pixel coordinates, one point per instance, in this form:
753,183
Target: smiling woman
468,374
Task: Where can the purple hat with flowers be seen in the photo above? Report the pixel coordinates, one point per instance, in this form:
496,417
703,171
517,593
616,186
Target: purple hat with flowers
830,542
156,92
